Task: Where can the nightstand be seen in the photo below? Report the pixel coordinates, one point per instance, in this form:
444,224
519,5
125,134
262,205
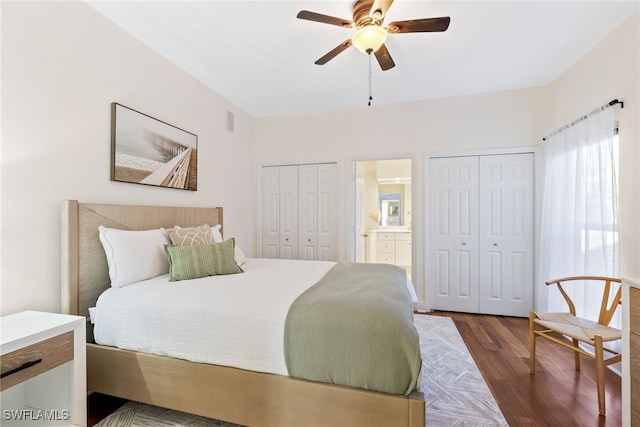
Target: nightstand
631,352
43,368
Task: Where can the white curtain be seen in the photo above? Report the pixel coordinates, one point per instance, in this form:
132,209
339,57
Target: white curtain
579,234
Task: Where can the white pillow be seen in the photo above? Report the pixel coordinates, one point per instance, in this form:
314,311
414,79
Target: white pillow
217,236
133,256
238,255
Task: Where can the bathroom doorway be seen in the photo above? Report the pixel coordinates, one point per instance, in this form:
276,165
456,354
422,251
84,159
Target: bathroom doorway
383,201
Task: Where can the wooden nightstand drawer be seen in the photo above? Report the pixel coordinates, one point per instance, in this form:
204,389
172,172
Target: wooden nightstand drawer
634,309
27,362
635,408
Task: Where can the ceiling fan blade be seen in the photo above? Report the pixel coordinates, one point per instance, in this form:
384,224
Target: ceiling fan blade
384,58
325,19
334,52
379,9
426,25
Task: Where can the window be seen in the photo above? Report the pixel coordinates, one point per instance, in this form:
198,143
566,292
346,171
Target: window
579,233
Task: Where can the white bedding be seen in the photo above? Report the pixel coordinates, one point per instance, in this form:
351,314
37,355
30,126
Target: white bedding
233,320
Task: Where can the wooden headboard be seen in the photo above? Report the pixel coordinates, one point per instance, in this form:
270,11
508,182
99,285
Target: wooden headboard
85,274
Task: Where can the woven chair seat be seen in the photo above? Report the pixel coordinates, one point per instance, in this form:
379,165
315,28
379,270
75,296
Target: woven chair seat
577,327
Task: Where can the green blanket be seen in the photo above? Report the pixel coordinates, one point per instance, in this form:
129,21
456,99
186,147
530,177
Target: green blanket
355,328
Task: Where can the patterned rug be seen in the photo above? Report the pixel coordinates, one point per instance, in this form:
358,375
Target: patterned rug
454,391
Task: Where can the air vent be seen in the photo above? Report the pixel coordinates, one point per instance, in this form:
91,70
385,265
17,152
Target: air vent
231,121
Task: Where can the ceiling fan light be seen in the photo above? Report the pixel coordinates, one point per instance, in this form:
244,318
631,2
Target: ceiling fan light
369,37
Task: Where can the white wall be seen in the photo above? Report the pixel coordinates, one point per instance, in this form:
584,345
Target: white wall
63,64
610,70
493,120
501,120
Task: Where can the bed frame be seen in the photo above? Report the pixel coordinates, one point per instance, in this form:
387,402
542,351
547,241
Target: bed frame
224,393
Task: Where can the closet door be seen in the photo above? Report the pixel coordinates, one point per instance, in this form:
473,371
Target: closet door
327,212
270,212
308,212
288,214
453,255
299,217
506,234
317,212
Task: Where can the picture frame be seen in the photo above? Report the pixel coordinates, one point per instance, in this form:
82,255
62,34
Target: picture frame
147,151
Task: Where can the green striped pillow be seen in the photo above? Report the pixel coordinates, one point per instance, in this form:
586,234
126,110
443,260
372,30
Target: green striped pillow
192,262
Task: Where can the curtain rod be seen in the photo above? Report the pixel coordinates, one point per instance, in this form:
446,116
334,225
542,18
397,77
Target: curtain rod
578,120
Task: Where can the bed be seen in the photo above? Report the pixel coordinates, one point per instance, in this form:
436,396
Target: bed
230,393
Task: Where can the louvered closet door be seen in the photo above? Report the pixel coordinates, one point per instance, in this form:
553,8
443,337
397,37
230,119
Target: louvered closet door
453,255
506,234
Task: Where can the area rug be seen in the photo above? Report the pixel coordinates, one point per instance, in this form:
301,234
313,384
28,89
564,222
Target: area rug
455,392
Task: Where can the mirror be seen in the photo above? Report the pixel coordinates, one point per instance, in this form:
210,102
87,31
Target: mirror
391,209
394,192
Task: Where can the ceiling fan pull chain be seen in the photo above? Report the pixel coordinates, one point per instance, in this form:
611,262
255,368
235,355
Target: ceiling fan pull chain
370,97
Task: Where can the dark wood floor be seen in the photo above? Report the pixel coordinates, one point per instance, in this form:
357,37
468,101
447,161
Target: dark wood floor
556,396
99,406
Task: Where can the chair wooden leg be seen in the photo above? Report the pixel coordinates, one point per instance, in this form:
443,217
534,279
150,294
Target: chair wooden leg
532,343
576,355
599,350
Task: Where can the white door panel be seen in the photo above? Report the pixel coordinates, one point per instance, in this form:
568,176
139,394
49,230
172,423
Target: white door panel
299,212
481,234
327,236
289,212
506,239
454,234
270,210
308,212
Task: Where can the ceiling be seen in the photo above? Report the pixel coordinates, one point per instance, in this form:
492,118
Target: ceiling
261,58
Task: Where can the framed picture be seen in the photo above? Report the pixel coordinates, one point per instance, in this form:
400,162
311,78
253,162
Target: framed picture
148,151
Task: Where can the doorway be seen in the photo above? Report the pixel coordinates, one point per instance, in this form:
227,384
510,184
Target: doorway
383,205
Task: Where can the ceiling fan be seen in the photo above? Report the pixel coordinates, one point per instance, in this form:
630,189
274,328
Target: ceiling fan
370,36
